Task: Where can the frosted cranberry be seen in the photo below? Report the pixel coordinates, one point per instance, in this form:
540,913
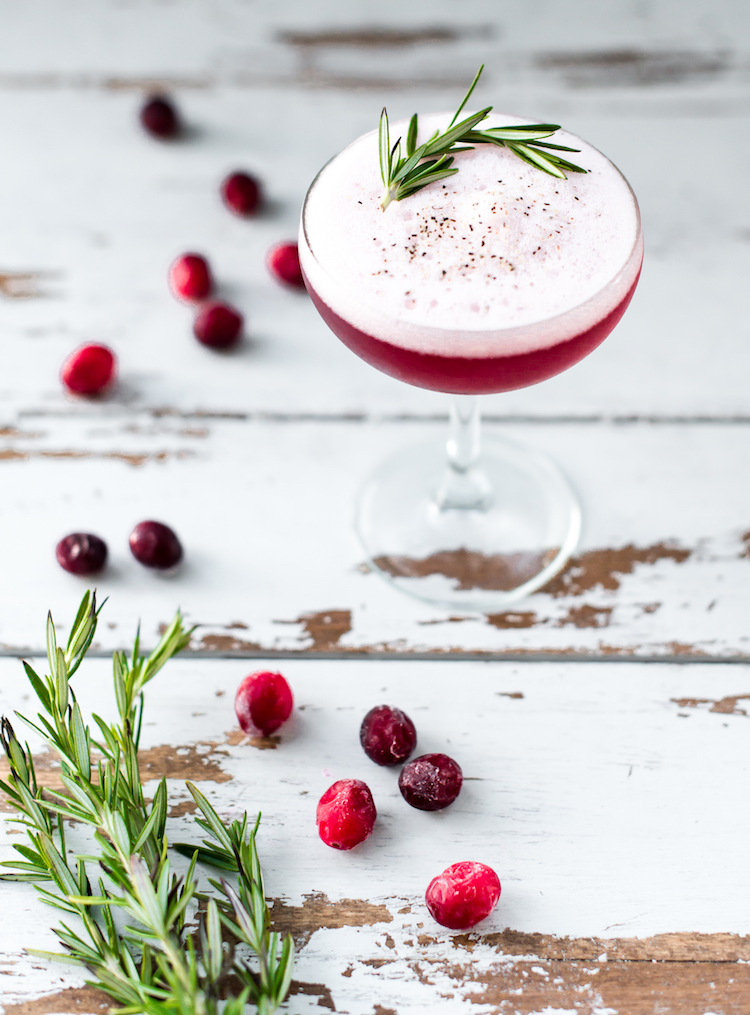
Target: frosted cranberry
218,325
88,370
283,263
463,894
387,735
159,117
264,701
81,553
346,814
155,545
430,782
190,277
241,193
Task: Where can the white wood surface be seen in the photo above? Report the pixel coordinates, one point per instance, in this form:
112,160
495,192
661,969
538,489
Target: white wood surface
608,797
607,808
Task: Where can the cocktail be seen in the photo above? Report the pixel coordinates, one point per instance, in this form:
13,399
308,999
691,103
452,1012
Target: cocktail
490,276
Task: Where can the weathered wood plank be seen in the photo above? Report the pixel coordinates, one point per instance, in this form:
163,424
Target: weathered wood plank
272,565
86,259
606,803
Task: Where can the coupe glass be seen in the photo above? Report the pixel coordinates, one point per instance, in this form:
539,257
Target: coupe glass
472,525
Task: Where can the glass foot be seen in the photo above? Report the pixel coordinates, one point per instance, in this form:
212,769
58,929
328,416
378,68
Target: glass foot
476,540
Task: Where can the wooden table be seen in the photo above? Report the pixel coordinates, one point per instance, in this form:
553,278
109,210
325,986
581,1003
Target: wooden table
602,723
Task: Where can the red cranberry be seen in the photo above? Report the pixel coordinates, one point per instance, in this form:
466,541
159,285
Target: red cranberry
430,782
346,814
263,702
283,263
241,193
218,325
463,894
190,277
81,553
155,545
159,117
387,735
88,370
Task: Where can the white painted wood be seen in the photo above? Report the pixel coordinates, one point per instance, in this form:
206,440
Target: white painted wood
606,808
100,210
264,511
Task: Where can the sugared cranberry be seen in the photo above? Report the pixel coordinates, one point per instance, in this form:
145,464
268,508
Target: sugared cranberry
218,325
81,553
430,782
346,814
190,277
155,545
241,193
88,370
387,735
263,702
463,894
283,263
159,117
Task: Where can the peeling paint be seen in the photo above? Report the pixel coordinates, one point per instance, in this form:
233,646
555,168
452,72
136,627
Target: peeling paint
623,68
586,616
226,643
136,459
513,620
326,628
74,999
604,568
724,706
318,912
469,569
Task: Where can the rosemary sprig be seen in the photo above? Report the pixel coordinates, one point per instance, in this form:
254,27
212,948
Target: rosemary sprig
152,960
404,175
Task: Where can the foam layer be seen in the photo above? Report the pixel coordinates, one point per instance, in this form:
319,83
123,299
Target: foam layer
499,259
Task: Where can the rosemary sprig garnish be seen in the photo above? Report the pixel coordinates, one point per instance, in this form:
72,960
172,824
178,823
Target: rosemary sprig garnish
404,175
152,962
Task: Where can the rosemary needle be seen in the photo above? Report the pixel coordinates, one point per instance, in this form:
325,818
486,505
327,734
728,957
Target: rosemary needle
405,174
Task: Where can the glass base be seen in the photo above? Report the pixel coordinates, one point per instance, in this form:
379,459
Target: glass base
521,526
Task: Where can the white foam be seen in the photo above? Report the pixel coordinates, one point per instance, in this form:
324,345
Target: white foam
499,253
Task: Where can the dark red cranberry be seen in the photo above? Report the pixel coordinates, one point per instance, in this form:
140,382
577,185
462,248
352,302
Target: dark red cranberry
88,370
346,814
463,894
155,545
241,193
387,735
81,553
218,325
263,702
159,117
190,277
430,782
283,263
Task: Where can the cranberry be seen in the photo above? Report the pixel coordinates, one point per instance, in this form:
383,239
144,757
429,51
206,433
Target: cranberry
159,117
463,894
283,263
190,277
387,735
81,553
218,325
241,193
88,370
346,814
430,782
263,702
155,545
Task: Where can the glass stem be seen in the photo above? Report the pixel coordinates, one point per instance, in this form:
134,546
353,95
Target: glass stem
464,485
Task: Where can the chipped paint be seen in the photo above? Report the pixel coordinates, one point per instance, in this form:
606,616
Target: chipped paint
135,459
318,912
513,620
74,999
632,68
469,569
326,628
724,706
225,643
586,616
605,568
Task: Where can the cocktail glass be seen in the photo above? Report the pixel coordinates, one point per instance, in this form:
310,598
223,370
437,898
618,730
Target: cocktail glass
473,525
